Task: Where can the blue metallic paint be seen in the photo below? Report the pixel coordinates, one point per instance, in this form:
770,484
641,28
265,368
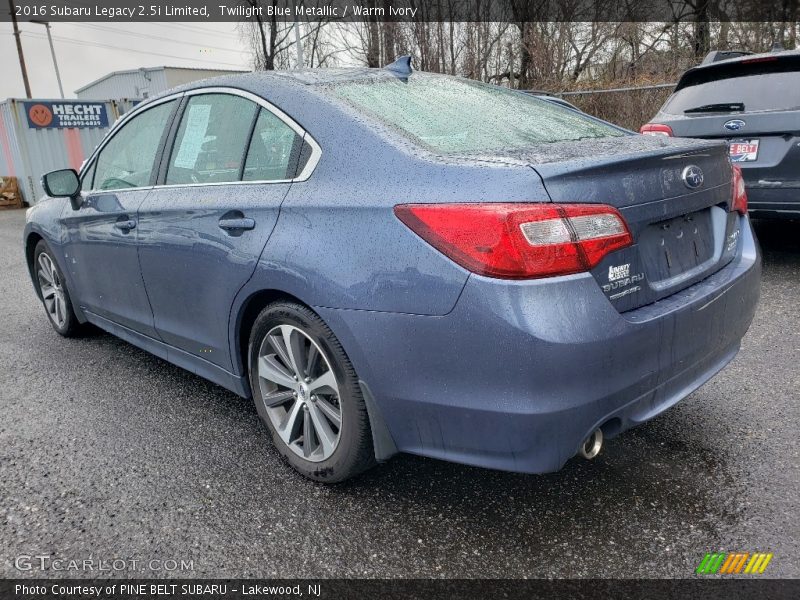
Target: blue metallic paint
545,362
103,260
192,268
510,375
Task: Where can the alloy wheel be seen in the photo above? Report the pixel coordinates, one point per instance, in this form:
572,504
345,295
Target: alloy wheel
300,392
52,291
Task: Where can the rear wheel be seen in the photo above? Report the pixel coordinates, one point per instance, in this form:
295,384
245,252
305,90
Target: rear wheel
53,292
307,394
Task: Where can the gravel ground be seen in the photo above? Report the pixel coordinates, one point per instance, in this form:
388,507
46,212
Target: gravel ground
108,452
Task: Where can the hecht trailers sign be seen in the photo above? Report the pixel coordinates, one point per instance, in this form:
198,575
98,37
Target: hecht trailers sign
80,115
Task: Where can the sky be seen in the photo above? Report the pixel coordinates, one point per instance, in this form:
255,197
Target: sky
87,51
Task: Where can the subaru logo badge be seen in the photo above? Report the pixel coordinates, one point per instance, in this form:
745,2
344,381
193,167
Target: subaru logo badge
734,124
692,176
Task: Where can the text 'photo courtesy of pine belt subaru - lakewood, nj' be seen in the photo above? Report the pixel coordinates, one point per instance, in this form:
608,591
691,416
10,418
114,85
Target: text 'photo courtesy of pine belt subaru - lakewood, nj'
394,261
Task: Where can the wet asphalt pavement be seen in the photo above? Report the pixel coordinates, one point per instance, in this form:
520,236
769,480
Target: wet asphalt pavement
108,452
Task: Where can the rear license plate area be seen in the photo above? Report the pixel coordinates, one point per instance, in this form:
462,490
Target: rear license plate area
743,150
676,246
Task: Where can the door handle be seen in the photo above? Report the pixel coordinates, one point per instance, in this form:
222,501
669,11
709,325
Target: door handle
125,225
241,224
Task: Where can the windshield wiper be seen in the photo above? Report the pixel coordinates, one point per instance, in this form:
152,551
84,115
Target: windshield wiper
721,107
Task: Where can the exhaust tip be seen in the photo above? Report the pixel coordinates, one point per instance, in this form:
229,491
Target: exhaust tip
592,445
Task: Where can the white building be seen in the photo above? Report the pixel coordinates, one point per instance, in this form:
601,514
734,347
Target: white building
138,84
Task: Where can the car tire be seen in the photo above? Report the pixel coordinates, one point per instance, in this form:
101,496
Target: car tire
52,289
301,380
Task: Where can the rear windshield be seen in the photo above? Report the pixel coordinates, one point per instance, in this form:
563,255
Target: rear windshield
449,115
745,84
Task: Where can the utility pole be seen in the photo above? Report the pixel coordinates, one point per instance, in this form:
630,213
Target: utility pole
298,45
53,54
19,49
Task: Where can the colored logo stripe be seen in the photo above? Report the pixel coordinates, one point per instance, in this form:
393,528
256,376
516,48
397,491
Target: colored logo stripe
727,564
733,563
710,563
758,563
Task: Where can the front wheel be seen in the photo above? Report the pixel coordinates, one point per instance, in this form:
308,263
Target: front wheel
53,292
307,394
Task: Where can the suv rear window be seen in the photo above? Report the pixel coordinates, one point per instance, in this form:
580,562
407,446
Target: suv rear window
449,115
740,83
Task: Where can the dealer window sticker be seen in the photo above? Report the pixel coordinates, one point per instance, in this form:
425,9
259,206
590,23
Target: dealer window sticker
193,136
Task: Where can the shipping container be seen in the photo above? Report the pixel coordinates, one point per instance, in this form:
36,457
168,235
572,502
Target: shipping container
41,135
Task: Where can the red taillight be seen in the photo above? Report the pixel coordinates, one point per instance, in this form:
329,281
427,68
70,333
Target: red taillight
739,202
656,129
519,241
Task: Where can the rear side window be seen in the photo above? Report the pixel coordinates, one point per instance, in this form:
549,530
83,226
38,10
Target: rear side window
273,150
212,139
127,159
449,115
759,86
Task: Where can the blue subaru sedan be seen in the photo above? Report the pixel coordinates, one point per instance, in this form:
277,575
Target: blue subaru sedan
388,261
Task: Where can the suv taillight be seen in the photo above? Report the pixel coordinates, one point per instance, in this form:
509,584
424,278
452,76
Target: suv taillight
656,129
519,241
739,202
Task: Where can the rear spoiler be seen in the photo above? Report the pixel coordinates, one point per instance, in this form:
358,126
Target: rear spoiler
747,64
718,55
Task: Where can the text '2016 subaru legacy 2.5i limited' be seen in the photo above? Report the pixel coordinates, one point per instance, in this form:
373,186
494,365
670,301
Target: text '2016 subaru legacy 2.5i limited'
753,102
393,261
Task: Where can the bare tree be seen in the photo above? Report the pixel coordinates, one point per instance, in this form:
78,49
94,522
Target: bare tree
271,39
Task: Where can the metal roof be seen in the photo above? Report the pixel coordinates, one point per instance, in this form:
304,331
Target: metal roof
150,69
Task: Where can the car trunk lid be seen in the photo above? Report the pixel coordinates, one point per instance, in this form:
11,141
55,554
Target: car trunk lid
681,224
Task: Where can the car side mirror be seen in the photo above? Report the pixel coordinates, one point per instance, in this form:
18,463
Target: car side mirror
63,183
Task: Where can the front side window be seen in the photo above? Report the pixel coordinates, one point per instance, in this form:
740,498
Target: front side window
88,177
449,115
127,159
271,155
212,139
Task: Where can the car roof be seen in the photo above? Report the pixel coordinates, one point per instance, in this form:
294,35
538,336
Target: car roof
748,58
706,72
256,81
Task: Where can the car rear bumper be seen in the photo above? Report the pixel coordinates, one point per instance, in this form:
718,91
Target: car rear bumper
518,374
774,202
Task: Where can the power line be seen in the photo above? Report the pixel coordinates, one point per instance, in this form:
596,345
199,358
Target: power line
131,50
197,30
152,37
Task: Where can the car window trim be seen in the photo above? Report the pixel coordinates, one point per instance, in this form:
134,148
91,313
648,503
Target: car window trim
316,150
249,143
308,169
115,129
169,143
169,148
88,171
294,155
166,140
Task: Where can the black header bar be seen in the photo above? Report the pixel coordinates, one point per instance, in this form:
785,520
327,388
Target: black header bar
404,10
